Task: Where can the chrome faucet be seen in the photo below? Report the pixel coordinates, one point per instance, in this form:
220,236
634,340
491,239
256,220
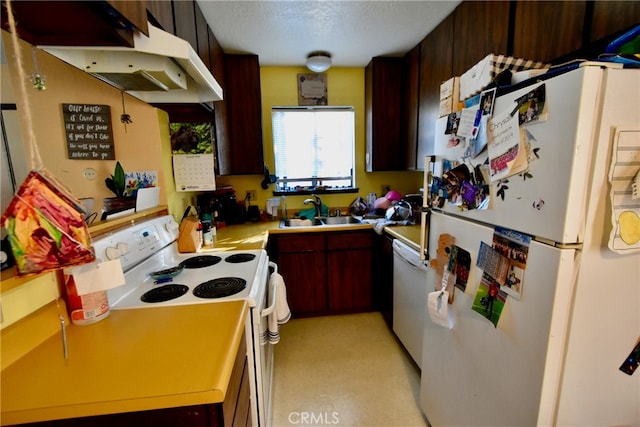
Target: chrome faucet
317,202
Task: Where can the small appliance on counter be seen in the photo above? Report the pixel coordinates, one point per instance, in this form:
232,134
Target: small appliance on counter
222,205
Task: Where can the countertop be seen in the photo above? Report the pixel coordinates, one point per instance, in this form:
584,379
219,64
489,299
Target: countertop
409,234
137,359
133,360
254,235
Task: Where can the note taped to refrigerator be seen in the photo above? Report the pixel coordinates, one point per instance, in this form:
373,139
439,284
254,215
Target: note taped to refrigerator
194,172
625,209
507,152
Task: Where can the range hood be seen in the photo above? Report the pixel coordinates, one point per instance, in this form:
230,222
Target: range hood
159,69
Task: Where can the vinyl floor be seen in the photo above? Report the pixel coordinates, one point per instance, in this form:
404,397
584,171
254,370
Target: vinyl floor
346,370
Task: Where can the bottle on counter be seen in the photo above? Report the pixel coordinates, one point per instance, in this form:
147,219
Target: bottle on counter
200,236
208,229
207,235
284,207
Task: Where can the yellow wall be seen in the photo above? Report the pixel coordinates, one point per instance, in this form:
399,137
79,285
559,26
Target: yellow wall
137,147
345,88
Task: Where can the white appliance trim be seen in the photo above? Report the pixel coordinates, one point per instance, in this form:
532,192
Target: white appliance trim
554,357
409,296
201,86
558,337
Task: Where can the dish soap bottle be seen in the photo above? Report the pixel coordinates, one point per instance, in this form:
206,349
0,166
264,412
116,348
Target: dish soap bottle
284,207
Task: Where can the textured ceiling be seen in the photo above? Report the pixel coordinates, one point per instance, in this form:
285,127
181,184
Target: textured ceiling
285,32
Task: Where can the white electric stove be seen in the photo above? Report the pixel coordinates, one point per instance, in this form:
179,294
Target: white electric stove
205,277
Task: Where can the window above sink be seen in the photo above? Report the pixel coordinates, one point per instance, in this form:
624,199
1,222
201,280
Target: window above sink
314,190
314,149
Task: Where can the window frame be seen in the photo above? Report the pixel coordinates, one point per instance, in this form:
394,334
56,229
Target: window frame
317,186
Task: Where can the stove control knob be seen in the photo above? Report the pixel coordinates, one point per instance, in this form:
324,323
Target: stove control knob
122,248
171,226
112,253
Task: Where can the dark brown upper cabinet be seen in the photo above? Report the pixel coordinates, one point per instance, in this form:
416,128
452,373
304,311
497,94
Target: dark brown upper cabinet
411,93
467,35
546,30
539,30
221,114
184,17
133,11
480,28
202,33
217,58
613,17
241,153
385,149
436,58
161,14
95,23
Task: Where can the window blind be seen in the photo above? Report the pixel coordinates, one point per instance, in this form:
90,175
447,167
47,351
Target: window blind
314,145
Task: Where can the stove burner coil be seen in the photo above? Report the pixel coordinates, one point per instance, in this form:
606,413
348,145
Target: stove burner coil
238,258
201,261
164,293
220,287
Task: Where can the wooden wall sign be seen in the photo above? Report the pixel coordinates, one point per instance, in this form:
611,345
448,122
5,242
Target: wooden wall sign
88,131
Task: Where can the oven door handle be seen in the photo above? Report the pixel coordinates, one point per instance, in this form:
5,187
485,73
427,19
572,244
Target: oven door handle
267,311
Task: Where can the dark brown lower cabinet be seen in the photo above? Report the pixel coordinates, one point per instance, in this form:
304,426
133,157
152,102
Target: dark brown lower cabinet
190,416
349,272
233,412
327,272
301,262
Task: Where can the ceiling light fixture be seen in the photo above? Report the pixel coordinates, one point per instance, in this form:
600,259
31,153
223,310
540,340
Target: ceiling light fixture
318,61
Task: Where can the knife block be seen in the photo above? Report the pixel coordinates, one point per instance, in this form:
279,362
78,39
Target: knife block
190,235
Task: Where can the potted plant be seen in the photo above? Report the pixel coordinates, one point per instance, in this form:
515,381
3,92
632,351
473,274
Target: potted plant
116,184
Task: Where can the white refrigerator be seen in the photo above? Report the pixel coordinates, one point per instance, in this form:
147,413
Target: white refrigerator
553,355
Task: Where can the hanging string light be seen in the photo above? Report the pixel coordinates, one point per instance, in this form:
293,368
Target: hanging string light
37,80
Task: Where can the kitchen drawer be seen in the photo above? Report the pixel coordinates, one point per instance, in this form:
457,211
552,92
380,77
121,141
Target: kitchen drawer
301,243
350,240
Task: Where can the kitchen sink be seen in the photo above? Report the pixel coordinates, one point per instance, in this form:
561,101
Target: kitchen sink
297,222
340,220
319,222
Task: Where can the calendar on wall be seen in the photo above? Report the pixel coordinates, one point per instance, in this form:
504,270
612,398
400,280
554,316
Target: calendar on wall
193,156
194,172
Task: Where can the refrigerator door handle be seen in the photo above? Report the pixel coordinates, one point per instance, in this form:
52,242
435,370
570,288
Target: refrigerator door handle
424,214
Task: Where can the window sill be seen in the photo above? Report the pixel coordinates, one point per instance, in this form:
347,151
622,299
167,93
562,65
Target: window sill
306,191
